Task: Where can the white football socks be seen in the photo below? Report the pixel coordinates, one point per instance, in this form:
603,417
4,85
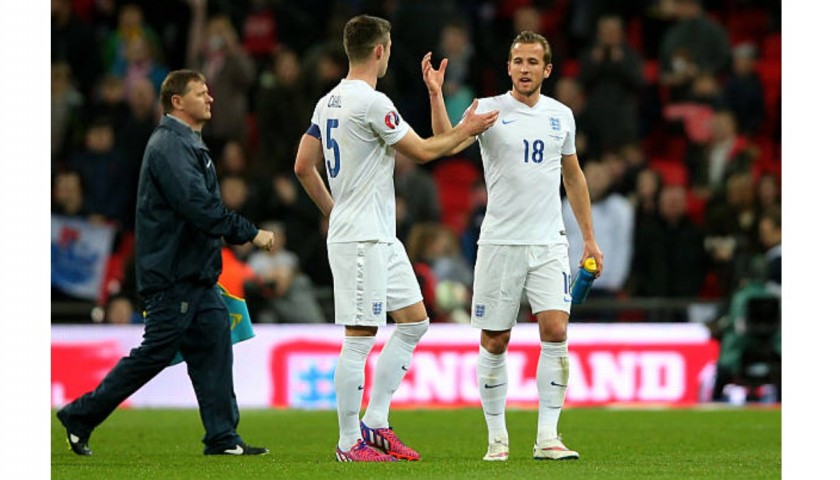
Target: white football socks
552,378
391,367
492,376
349,388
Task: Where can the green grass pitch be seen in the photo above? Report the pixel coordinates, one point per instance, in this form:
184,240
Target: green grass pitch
613,444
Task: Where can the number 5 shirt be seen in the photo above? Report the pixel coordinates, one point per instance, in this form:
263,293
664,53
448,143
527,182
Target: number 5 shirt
357,127
522,155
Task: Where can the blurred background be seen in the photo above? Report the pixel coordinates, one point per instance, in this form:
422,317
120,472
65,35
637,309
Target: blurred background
678,111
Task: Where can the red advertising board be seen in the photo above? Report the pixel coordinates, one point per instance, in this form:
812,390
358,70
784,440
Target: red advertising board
292,366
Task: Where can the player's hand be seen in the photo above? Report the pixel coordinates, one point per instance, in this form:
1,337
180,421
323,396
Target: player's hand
433,78
591,249
476,123
265,240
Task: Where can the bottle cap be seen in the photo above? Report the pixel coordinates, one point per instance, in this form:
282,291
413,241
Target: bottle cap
590,264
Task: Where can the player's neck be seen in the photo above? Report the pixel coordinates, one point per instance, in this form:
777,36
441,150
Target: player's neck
363,73
529,100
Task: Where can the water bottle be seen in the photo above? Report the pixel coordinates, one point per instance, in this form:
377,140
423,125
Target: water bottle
583,281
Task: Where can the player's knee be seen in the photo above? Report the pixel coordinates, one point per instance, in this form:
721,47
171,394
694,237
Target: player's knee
412,332
495,342
553,332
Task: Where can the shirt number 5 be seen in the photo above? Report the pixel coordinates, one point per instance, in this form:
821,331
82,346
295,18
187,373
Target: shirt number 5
335,166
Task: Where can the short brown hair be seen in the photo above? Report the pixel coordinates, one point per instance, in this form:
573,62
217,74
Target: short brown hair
176,84
528,36
361,35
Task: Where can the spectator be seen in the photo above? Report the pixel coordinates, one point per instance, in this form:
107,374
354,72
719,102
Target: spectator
611,74
230,74
139,64
234,161
282,199
462,81
136,129
109,102
420,248
645,197
314,260
287,295
743,93
669,259
612,216
282,113
732,231
237,194
120,310
74,43
478,208
66,108
105,174
131,25
770,231
324,65
726,153
694,44
418,191
67,195
569,92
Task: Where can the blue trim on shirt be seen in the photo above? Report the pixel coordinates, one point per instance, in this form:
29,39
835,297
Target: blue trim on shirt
314,130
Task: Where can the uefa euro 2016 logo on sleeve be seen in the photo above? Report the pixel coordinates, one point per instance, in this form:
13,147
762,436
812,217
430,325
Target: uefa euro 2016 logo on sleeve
392,119
479,310
377,308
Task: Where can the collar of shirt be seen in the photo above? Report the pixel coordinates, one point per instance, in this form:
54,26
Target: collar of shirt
196,132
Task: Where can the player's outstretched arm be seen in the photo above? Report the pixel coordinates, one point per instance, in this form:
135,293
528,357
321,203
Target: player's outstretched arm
434,78
424,150
309,155
577,194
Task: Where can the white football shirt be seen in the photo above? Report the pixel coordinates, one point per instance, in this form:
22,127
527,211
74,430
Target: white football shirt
358,126
521,154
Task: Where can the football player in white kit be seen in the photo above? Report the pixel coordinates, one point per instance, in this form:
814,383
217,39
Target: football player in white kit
356,132
522,246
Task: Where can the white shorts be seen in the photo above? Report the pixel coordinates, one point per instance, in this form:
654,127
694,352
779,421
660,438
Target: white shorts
504,272
370,279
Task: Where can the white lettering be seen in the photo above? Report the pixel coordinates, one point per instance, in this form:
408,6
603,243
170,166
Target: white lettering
662,376
613,378
435,376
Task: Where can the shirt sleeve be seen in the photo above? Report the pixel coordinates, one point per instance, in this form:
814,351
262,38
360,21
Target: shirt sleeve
383,118
568,147
177,173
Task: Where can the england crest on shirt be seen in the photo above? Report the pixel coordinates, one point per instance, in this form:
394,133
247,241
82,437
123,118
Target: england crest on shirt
555,123
377,308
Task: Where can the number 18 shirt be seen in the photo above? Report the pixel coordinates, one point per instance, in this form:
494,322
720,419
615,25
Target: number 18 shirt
522,153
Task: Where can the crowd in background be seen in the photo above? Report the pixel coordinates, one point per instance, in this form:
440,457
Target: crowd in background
677,104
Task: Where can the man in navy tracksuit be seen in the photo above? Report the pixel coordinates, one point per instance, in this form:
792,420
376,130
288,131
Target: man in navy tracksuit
180,223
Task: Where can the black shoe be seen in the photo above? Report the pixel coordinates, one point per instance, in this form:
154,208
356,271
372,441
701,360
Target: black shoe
240,449
77,443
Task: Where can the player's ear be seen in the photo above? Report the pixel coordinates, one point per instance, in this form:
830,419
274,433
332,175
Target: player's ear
547,70
379,50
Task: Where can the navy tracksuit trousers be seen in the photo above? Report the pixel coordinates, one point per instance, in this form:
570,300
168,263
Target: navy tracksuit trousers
193,320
